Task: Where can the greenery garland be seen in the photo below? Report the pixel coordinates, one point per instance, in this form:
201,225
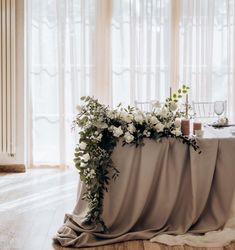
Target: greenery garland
101,129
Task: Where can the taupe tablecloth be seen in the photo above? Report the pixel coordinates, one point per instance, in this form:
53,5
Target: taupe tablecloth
163,187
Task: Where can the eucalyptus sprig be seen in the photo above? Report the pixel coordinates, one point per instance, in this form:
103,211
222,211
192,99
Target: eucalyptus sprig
100,130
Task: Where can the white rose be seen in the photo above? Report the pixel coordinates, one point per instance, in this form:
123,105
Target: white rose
83,165
153,120
111,114
173,106
131,128
128,137
177,132
117,132
126,117
148,117
139,118
164,112
159,127
168,125
82,145
222,121
86,157
177,123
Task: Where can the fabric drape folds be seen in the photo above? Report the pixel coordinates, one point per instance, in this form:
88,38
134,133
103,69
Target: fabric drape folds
206,50
61,70
121,51
163,188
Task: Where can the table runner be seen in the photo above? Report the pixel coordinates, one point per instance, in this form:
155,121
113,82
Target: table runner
163,187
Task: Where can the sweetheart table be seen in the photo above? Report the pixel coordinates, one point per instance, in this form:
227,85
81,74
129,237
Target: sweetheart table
163,188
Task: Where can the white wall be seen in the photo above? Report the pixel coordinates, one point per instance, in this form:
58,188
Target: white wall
19,158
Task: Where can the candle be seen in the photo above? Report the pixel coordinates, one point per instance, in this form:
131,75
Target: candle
186,106
197,126
185,126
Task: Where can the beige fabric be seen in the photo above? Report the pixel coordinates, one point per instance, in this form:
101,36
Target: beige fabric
163,187
217,238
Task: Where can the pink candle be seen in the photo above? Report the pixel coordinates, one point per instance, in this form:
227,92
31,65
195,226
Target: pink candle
185,126
197,126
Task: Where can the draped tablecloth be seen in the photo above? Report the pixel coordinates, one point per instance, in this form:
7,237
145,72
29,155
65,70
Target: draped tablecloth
163,187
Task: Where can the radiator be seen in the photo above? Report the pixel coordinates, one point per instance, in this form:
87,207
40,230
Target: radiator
7,78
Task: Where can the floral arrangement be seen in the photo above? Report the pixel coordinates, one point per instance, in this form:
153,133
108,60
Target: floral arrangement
222,121
102,128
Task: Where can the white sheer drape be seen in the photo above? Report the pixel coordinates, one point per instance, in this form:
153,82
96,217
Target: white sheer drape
140,50
206,60
61,66
121,51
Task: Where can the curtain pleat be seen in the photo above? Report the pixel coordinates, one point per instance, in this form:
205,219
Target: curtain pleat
205,49
122,51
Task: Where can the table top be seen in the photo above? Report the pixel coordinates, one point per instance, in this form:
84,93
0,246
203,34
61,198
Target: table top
226,132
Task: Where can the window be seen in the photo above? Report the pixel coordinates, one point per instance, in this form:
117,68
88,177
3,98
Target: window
121,51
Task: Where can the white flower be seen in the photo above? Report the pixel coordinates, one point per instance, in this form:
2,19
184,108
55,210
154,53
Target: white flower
111,114
110,129
117,131
128,137
148,117
157,105
101,125
99,137
164,113
177,132
92,174
153,120
83,164
86,157
131,128
126,117
82,145
177,123
173,106
159,127
139,118
146,133
222,121
168,125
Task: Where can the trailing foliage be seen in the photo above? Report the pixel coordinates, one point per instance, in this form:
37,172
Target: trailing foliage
100,130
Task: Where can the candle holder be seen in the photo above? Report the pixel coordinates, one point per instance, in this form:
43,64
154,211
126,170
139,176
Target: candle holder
197,126
185,127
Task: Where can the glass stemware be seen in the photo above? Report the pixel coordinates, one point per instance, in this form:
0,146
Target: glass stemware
219,108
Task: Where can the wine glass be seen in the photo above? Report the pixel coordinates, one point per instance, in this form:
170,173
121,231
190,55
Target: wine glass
219,108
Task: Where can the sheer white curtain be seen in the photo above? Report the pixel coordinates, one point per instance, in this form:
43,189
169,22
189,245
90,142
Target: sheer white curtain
140,50
61,68
206,50
115,50
121,51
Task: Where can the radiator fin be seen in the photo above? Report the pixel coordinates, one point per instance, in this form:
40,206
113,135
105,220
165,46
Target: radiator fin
7,77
